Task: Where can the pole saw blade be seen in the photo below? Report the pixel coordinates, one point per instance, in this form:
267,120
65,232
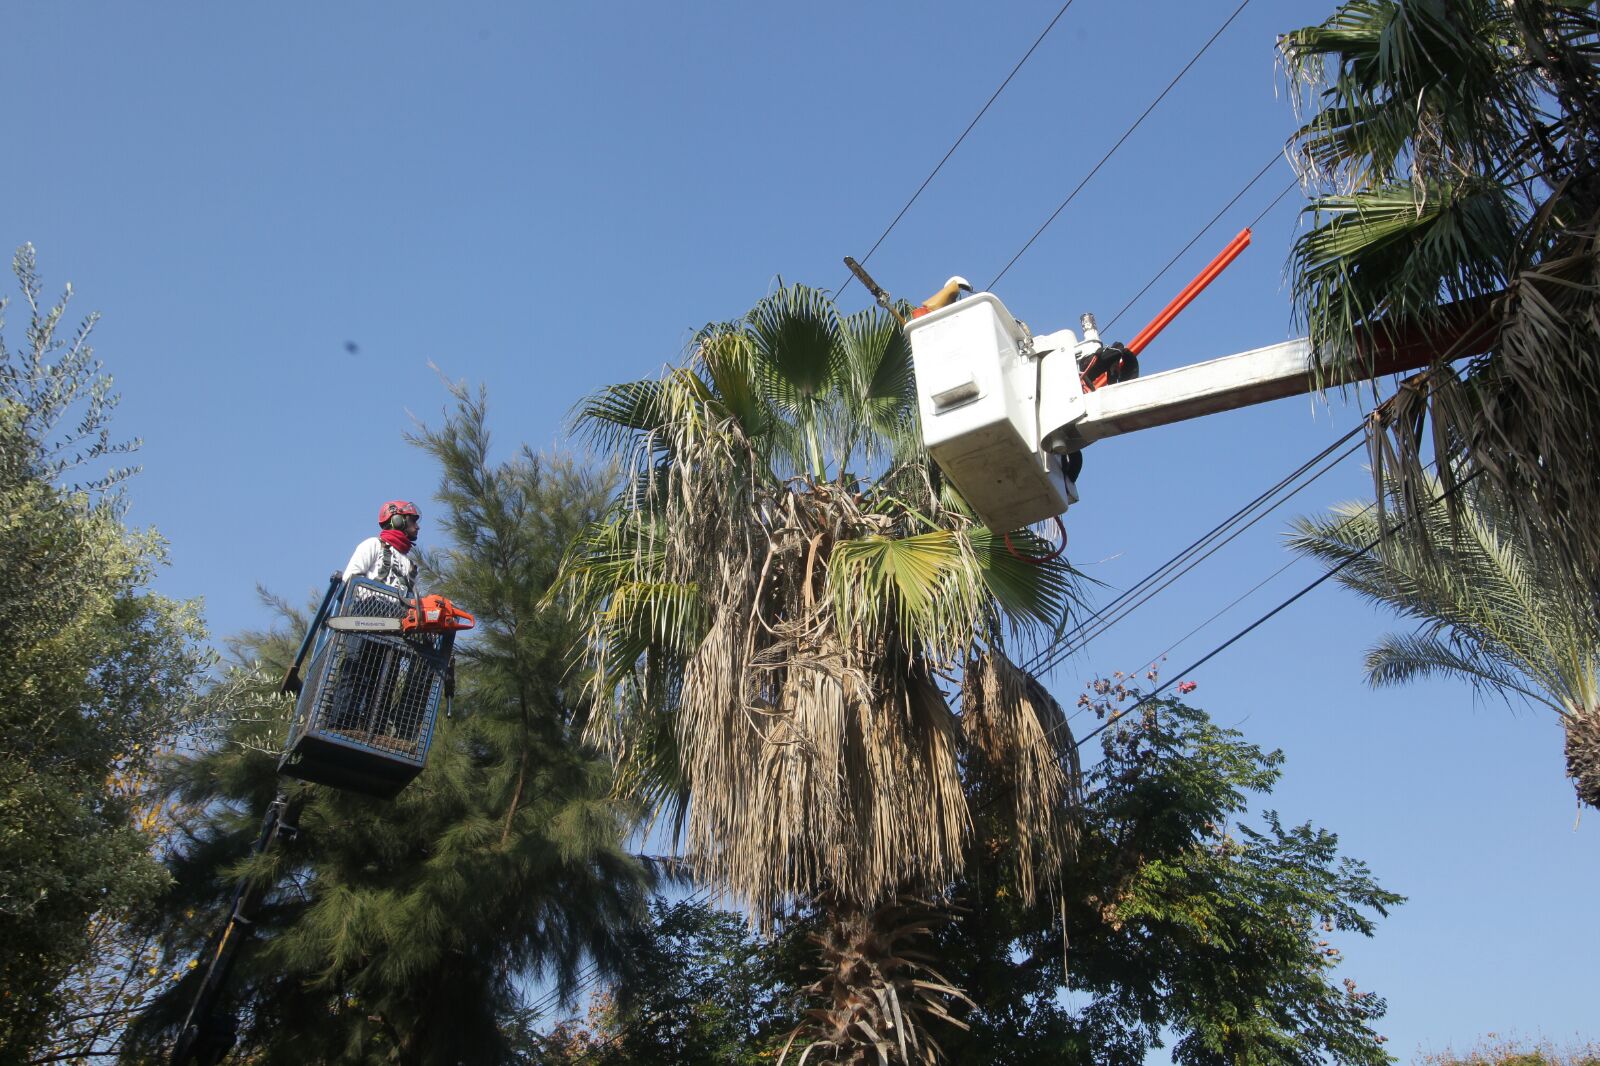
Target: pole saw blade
873,287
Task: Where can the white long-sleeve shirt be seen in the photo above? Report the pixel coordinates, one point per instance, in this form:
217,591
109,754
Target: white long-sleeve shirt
377,561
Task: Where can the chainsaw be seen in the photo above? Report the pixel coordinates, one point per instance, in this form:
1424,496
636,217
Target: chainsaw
425,614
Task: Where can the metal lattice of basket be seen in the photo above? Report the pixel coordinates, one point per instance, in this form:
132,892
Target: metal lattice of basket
366,710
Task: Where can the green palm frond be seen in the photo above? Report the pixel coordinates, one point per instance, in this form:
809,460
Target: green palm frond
1034,590
1395,255
616,412
1408,88
1492,601
879,407
1400,658
795,336
726,355
925,585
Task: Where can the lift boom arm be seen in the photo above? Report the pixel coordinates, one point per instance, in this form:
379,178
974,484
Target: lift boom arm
1000,407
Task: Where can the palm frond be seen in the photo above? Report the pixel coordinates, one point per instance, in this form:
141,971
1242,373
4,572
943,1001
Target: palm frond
796,348
1493,600
1398,254
1400,658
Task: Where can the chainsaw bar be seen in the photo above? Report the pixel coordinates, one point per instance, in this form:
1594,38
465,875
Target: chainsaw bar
352,623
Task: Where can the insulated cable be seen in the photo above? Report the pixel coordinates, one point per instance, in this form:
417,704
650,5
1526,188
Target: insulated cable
1117,715
1063,648
1195,547
981,111
1126,134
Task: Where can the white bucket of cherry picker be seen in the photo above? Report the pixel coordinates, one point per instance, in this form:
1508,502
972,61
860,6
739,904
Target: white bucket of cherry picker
977,394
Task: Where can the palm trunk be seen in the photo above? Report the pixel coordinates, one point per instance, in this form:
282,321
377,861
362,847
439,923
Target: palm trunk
1583,755
877,992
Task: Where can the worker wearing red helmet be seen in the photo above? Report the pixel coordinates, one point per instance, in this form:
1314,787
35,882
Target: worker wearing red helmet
386,558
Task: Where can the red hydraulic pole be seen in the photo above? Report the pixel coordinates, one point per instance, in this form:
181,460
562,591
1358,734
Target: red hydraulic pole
1191,290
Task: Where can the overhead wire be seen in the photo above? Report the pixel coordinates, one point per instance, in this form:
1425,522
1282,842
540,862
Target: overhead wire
1113,150
1119,714
940,165
1201,233
1197,552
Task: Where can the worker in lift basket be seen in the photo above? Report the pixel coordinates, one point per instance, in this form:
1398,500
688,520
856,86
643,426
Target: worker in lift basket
359,705
386,558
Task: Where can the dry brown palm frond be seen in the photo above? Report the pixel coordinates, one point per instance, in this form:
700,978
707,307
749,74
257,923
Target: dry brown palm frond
1021,734
764,637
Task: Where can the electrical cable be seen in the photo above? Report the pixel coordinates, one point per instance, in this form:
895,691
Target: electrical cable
981,112
1196,546
1253,626
1126,134
1196,238
1062,649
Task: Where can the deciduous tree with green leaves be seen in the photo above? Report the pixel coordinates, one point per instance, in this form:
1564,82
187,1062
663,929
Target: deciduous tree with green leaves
1183,920
95,677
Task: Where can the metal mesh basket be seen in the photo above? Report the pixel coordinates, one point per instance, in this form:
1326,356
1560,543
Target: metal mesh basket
366,711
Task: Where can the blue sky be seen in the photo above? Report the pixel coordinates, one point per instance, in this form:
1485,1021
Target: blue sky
547,198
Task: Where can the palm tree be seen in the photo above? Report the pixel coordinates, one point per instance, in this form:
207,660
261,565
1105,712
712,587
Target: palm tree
1493,607
780,606
1457,147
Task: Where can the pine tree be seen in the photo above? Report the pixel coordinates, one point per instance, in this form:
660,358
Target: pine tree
403,931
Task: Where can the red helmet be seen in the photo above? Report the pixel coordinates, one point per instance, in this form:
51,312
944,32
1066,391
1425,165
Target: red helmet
396,507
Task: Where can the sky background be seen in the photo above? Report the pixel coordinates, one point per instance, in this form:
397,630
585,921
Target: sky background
547,198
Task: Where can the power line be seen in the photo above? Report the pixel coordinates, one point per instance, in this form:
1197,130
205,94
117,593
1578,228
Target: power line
1253,626
1191,557
1126,134
1185,560
934,173
1202,232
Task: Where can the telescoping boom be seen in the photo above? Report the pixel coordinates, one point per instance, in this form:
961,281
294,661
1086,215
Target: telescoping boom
1006,413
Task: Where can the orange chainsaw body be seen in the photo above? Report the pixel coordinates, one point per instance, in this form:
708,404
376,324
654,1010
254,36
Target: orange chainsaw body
435,614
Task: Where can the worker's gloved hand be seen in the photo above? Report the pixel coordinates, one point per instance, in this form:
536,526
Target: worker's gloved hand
1109,365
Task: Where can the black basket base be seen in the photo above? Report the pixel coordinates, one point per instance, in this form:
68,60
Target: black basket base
326,762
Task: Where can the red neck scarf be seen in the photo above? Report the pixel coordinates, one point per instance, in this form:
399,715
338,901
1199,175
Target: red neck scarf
396,539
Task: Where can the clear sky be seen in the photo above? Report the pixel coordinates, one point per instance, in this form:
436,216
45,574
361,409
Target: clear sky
545,198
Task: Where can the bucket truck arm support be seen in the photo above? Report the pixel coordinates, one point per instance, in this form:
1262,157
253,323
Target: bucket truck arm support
1248,378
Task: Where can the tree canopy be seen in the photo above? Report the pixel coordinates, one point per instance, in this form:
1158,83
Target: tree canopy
96,675
1456,147
406,930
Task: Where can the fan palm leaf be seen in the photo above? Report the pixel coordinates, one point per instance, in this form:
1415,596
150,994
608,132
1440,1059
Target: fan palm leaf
1455,148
